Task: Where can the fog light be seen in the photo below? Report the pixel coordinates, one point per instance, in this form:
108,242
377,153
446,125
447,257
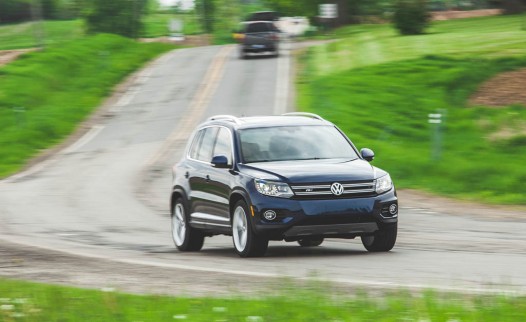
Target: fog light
269,215
393,209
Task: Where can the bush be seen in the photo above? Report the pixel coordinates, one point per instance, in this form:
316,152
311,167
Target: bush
121,17
411,16
513,7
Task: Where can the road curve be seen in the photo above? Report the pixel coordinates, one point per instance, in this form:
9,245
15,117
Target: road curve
106,196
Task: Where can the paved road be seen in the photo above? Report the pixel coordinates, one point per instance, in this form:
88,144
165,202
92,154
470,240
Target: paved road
106,196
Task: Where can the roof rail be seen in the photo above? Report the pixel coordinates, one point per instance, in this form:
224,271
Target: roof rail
225,117
311,115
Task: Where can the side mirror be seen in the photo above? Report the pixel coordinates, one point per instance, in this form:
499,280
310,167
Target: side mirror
367,154
220,161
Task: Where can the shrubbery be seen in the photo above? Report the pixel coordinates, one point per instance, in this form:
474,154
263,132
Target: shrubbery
121,17
411,17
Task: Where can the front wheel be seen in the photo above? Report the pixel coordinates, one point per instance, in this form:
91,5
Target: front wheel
382,240
246,242
185,237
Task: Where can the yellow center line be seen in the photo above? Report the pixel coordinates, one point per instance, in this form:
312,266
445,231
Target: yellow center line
196,108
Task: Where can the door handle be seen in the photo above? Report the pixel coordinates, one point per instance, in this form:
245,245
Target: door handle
187,175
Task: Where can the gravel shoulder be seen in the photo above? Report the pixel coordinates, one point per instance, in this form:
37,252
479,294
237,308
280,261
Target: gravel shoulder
53,267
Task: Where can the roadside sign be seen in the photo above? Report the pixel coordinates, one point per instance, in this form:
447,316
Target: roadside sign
329,10
176,29
175,25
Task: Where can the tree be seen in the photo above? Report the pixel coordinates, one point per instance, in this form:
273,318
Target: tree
15,10
513,6
411,16
206,9
122,17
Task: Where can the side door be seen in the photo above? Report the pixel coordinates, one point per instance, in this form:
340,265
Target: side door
198,169
220,179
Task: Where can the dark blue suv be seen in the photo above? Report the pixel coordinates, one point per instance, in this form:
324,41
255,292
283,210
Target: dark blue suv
294,177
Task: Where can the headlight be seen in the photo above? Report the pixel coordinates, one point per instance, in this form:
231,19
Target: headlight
274,189
383,184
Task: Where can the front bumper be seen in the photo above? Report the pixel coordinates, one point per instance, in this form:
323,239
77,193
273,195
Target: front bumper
340,218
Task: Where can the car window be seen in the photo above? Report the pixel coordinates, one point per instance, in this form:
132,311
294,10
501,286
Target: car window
258,27
206,145
195,144
294,143
263,16
224,144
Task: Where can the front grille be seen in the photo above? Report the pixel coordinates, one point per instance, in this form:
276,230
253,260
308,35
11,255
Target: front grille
323,191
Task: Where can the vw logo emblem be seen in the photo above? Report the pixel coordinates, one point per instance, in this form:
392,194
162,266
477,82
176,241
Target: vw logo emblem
336,188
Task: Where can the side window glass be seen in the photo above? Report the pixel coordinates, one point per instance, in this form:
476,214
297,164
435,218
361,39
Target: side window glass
204,152
195,144
224,144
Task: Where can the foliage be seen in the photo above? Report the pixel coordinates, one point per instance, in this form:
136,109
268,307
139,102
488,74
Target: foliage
15,10
24,10
383,100
157,24
121,17
44,95
22,35
38,302
206,10
411,16
513,6
295,8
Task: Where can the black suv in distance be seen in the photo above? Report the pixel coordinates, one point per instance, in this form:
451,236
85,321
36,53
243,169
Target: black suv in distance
258,37
294,177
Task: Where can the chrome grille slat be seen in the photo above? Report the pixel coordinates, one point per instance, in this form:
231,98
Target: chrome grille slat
324,190
352,185
325,186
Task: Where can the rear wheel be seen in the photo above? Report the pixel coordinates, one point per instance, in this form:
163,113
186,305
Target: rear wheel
310,242
242,54
383,240
246,242
185,237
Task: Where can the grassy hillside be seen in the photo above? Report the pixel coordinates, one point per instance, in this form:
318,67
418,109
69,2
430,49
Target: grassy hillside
16,36
389,86
43,95
22,35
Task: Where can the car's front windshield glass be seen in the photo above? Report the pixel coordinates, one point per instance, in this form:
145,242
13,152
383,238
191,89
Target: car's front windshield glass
285,143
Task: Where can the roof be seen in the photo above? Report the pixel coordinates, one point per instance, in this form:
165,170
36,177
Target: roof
290,119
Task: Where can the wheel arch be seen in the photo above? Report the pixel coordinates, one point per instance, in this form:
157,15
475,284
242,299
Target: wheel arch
178,192
235,197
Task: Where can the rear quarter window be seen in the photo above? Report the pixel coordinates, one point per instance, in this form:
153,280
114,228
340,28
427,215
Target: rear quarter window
259,27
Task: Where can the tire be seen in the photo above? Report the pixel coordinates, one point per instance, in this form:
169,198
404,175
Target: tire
242,54
186,238
310,242
246,242
383,240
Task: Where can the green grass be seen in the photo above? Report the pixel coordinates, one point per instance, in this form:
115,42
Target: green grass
44,95
383,98
22,35
17,36
22,301
156,25
364,45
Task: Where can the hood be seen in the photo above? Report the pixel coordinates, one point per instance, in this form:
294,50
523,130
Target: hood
312,171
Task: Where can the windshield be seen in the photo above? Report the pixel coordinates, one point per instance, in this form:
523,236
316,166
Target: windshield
294,143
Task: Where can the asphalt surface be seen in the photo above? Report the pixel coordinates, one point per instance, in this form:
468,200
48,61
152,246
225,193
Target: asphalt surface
104,199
